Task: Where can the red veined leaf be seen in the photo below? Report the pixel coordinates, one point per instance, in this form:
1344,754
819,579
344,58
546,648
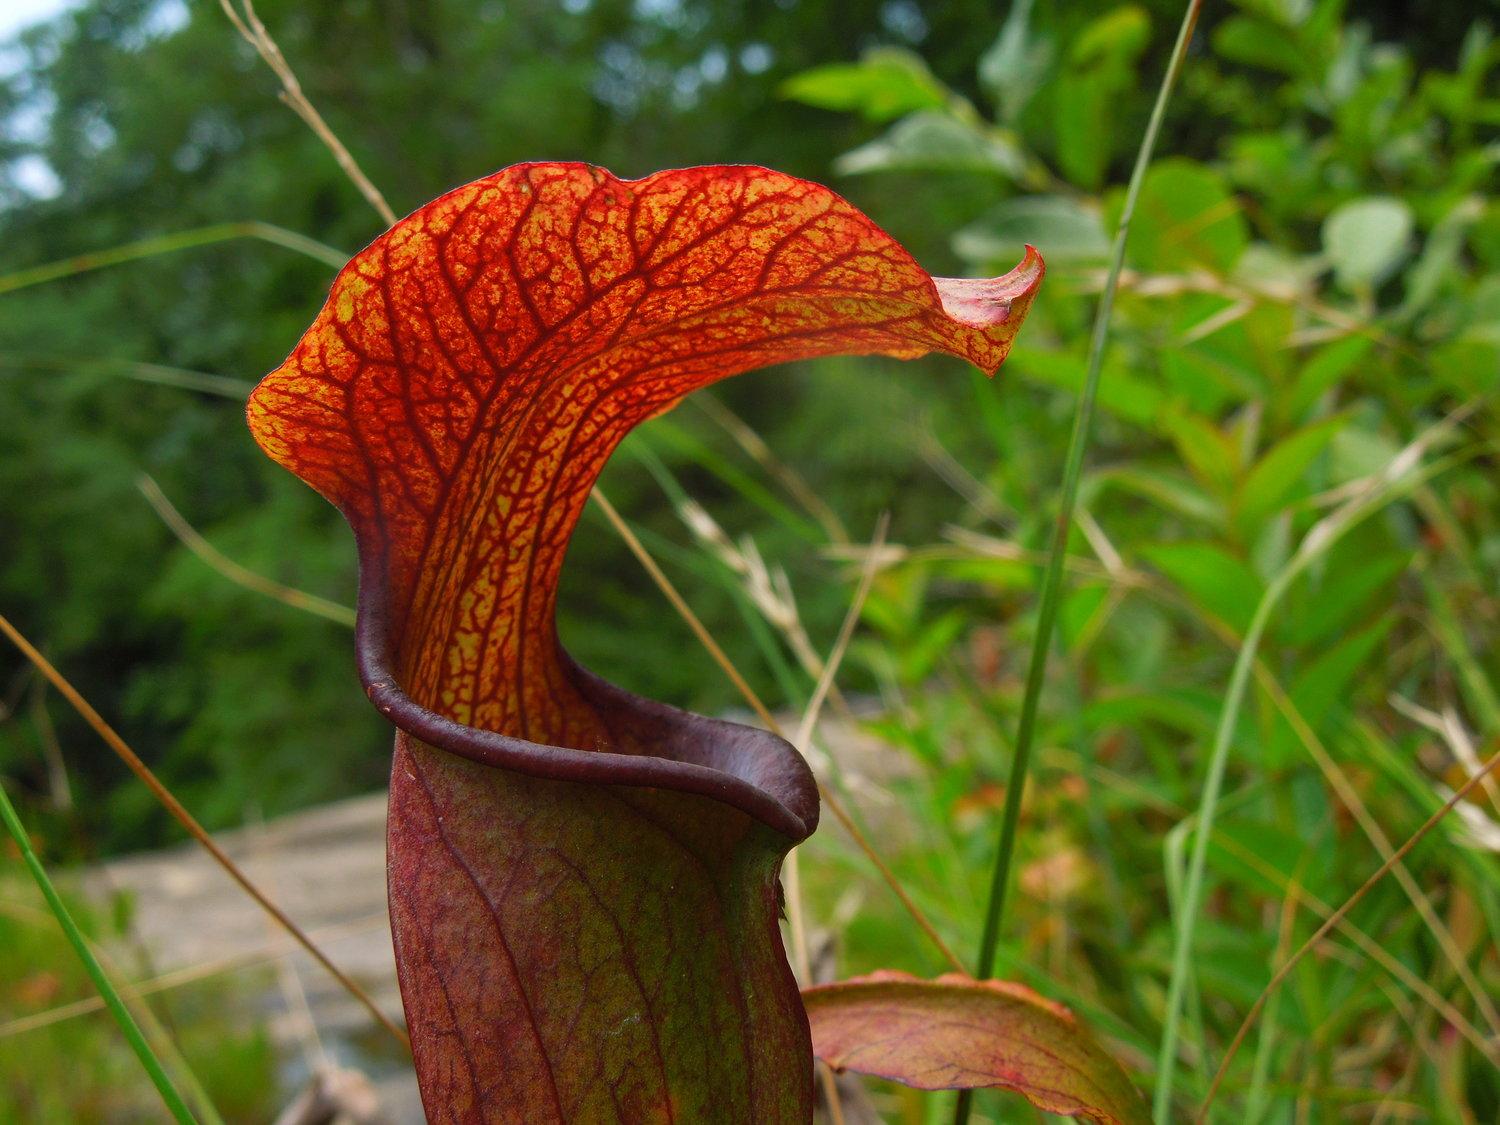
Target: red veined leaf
582,882
957,1033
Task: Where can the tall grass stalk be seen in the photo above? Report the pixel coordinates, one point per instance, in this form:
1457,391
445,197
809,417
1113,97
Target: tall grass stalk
1403,473
1051,592
131,1030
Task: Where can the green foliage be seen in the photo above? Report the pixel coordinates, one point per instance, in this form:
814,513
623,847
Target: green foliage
1310,288
1313,281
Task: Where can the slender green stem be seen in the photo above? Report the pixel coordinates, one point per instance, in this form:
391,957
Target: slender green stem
128,1026
1213,784
166,244
1051,592
1073,467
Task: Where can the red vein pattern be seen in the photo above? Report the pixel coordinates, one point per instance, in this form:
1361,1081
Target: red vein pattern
956,1033
582,882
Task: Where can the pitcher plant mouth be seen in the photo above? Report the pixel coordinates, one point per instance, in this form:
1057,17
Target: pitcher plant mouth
403,332
748,768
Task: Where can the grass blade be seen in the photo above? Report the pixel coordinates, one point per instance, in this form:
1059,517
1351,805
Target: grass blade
193,540
248,24
1072,470
166,244
1051,592
223,386
131,1030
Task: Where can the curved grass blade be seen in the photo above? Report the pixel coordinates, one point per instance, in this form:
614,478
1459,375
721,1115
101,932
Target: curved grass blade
1051,593
190,823
193,540
128,1027
1072,471
167,243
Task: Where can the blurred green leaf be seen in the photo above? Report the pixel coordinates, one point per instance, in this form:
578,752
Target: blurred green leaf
1121,393
1255,42
1289,13
1340,594
1186,217
1324,369
1436,267
1169,490
1117,37
1213,579
1277,473
1213,458
1366,239
1085,100
929,141
1357,451
1321,685
885,84
1015,66
1063,229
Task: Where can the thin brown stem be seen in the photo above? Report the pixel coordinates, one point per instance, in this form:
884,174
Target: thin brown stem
705,638
248,24
664,584
191,825
836,806
803,740
755,445
831,1093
